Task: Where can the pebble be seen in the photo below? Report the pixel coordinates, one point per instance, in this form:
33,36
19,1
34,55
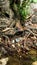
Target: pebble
13,45
19,44
17,40
13,41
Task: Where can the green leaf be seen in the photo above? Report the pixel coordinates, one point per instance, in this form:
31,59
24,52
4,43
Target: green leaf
35,1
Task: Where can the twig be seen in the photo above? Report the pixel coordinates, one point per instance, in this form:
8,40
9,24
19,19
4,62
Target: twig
7,29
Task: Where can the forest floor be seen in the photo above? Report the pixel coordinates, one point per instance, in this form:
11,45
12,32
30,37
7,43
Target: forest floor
19,48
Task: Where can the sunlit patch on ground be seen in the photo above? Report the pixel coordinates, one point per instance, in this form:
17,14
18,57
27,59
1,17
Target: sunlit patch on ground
34,63
3,61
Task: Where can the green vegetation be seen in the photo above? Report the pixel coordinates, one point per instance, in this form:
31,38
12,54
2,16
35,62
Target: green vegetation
22,10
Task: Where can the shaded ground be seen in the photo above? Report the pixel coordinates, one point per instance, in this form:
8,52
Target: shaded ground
23,59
